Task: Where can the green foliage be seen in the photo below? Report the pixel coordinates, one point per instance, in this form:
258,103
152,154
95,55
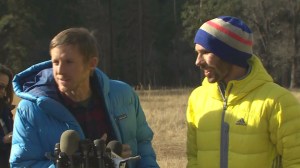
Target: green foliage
14,32
147,41
196,12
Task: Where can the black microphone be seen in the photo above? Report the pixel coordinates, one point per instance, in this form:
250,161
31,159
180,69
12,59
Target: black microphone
86,148
62,160
69,142
55,156
56,150
100,151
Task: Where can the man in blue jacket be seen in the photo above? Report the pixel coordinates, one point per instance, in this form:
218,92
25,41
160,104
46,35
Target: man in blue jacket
71,93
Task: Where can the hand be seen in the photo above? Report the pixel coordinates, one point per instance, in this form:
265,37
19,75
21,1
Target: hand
7,138
104,137
126,151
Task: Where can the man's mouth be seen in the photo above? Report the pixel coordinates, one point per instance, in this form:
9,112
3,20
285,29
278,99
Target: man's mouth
207,72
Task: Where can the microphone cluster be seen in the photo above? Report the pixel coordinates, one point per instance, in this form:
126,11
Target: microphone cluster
72,152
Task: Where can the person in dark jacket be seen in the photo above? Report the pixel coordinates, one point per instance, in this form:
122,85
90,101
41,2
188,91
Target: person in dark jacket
71,93
6,122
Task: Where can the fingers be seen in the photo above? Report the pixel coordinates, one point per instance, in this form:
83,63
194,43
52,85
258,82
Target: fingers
126,151
7,138
104,137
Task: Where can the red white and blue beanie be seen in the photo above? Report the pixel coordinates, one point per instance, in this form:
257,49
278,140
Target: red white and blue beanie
228,38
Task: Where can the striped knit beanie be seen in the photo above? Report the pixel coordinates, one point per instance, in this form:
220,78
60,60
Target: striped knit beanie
228,38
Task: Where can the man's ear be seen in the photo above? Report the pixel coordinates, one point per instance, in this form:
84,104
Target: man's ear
94,62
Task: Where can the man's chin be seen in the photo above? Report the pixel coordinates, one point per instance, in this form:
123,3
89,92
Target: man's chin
64,89
211,80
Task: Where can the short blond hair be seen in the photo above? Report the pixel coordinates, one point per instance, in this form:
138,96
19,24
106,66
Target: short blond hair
79,37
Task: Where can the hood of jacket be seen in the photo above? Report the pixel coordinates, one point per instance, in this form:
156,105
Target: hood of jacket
38,81
37,84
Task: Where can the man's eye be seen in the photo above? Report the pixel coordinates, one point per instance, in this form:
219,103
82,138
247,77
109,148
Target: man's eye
206,52
55,62
69,62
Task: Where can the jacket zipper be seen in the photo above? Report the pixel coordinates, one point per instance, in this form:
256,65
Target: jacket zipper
224,138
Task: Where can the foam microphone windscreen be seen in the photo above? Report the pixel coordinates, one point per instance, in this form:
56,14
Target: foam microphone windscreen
115,147
69,142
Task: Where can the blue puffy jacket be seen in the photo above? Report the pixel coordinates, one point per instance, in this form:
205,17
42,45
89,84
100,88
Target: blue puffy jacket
40,119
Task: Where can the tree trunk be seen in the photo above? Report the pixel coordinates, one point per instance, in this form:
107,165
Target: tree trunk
139,66
294,36
111,37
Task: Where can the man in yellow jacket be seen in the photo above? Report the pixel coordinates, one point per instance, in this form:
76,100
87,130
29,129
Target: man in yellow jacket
238,117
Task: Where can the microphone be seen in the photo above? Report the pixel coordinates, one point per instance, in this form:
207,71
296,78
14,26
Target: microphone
115,147
55,156
100,148
69,142
62,161
86,148
116,152
56,149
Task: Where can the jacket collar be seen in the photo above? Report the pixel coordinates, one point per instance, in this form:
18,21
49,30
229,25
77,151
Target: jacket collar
257,77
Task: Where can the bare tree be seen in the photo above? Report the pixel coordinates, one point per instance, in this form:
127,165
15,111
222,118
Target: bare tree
140,55
294,9
268,23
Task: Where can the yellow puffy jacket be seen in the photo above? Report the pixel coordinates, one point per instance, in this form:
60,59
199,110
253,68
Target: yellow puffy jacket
255,125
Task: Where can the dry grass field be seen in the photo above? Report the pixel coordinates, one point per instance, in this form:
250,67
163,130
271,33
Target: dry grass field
165,112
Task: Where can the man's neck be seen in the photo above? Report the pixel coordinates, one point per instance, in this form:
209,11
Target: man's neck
237,73
79,96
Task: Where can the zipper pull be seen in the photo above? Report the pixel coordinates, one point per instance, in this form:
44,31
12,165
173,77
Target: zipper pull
225,105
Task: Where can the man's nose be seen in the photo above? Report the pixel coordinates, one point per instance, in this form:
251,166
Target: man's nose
199,60
60,68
